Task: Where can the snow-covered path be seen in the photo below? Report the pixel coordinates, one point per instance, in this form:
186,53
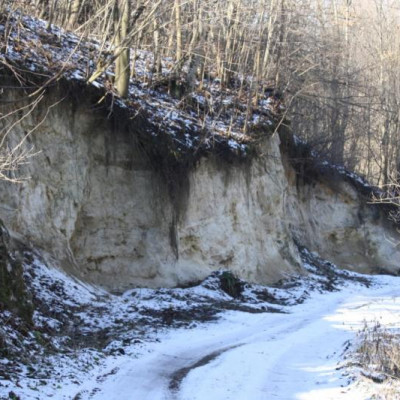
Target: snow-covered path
256,356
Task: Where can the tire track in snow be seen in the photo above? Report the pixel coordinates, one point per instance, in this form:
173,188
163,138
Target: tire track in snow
178,376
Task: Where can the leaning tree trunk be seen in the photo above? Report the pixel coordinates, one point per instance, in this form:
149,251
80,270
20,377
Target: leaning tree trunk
74,13
122,64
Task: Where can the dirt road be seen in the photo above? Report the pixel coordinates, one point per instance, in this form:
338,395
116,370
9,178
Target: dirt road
298,355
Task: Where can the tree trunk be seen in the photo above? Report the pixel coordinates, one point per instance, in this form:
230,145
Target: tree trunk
74,13
122,64
157,66
178,28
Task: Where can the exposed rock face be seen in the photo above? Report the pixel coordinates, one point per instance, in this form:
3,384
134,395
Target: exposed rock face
105,209
338,224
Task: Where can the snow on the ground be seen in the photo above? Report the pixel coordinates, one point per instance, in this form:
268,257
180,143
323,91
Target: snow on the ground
259,356
284,342
314,157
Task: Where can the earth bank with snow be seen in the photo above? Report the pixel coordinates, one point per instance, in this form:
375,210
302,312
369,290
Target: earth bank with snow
110,200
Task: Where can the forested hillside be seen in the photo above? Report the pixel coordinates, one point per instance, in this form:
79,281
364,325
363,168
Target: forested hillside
334,65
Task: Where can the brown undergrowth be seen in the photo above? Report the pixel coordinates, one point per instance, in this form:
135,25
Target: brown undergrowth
379,352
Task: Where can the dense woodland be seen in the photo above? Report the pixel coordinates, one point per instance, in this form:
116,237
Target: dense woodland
334,64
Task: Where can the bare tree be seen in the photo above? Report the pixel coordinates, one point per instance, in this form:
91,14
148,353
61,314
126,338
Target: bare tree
74,11
336,62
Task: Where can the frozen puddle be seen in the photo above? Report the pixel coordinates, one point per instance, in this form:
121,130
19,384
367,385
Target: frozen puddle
258,356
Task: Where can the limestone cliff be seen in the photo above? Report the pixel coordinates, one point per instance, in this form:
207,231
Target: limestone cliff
117,206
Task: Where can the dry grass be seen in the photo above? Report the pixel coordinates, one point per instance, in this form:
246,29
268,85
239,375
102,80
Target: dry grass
379,351
378,356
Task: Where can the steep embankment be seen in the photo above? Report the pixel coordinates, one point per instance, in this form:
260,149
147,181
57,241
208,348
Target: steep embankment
147,192
119,210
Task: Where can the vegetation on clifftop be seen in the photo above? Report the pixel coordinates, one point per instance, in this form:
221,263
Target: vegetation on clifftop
336,64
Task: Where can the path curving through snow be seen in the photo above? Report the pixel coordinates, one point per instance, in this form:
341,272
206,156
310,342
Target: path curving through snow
257,356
